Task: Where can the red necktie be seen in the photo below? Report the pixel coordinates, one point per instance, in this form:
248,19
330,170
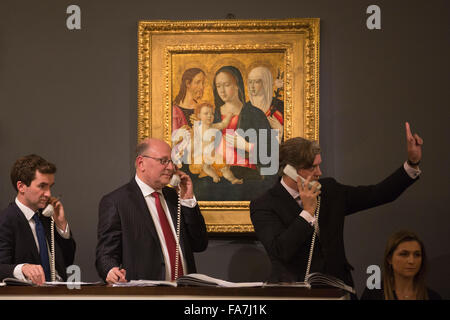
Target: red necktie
168,236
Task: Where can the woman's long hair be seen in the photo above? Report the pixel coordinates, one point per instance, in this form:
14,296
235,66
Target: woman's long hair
388,273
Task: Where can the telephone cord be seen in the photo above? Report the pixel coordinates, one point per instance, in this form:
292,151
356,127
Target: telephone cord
177,251
52,250
316,229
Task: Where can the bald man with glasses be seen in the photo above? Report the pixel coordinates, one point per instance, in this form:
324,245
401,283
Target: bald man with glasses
137,226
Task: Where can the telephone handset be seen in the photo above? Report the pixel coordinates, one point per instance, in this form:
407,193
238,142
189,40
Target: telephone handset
48,212
174,182
292,173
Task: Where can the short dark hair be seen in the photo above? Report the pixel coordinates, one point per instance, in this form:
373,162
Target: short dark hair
24,169
298,152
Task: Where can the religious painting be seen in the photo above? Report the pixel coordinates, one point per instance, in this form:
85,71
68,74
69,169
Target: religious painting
224,94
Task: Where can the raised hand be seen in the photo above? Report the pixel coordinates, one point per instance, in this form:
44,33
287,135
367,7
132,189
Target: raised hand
414,146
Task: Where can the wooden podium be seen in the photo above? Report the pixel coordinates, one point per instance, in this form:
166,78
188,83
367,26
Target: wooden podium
169,293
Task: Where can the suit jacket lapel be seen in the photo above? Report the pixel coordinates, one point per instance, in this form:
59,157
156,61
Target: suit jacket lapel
27,234
287,204
137,199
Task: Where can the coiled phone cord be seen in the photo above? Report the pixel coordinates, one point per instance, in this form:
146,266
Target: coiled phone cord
316,230
52,250
177,251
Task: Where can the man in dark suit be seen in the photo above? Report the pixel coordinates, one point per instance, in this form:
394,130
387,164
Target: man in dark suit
25,233
285,216
137,227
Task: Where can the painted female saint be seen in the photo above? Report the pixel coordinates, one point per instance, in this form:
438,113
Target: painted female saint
260,89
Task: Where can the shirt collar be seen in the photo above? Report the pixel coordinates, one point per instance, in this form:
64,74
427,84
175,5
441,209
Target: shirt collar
28,213
294,193
145,188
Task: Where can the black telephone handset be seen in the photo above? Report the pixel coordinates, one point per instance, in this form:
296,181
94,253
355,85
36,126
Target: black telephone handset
175,182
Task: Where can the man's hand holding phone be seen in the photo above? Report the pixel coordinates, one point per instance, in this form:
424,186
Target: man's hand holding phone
308,194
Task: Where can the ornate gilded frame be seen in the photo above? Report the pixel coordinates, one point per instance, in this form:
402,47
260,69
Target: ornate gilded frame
298,39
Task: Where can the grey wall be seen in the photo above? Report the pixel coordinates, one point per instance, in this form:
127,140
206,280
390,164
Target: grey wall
71,96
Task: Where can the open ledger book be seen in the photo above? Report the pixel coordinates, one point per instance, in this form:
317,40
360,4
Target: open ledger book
17,282
193,279
316,279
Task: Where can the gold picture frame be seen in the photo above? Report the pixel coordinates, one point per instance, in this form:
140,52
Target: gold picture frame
166,48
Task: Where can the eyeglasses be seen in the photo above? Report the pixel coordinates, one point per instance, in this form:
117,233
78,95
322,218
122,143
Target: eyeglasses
163,161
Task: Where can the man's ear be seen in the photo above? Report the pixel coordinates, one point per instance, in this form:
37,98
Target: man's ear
138,164
21,186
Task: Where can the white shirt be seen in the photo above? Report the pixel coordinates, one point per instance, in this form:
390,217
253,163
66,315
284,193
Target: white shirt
28,213
413,173
150,200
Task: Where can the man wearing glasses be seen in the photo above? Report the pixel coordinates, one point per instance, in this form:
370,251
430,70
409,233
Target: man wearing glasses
137,227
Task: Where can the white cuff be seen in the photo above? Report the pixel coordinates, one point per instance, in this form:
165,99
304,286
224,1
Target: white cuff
412,172
65,234
190,203
310,219
18,274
